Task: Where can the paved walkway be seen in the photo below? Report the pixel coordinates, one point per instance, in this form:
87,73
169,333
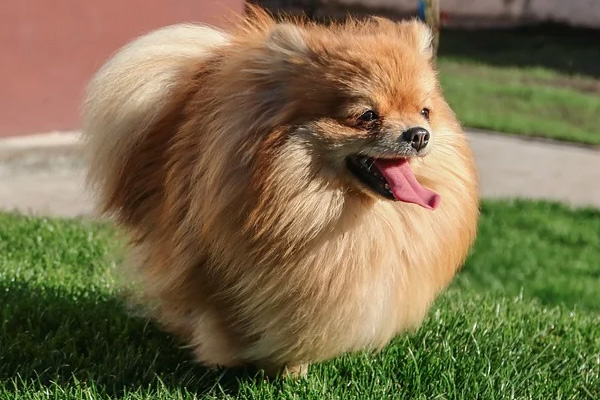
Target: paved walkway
513,166
44,174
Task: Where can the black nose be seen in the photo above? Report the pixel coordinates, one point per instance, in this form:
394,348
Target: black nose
418,137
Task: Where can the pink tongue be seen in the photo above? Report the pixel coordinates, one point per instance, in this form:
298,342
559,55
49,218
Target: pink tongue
404,185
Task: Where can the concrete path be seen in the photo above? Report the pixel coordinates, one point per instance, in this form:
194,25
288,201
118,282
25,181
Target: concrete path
513,166
44,175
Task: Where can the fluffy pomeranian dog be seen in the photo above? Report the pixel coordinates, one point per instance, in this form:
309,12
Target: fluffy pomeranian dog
292,191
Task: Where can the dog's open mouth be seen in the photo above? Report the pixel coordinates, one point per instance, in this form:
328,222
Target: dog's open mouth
393,179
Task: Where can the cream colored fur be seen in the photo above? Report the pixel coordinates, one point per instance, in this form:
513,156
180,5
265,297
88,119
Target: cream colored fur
130,90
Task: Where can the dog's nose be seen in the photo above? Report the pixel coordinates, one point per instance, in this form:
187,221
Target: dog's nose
418,137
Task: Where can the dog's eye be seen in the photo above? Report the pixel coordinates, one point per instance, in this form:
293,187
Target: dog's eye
369,116
425,113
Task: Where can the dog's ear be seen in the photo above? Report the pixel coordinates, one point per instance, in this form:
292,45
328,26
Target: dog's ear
286,42
418,34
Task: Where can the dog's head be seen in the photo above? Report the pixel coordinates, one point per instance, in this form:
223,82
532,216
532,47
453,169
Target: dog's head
316,117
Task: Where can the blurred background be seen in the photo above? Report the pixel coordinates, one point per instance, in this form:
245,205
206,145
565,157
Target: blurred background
49,50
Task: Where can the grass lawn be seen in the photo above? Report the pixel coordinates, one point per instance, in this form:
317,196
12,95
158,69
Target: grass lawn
540,81
521,321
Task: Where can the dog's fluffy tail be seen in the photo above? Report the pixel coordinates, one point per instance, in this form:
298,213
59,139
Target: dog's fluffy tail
131,92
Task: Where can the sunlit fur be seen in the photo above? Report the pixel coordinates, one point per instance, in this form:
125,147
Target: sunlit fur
222,156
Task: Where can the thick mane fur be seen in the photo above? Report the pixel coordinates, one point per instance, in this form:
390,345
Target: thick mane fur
243,244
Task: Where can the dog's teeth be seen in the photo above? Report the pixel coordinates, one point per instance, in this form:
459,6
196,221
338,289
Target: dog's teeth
386,186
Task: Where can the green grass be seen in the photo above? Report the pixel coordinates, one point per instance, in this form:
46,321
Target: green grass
531,102
521,321
537,81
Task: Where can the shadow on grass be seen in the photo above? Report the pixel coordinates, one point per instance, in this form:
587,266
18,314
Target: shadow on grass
566,50
52,336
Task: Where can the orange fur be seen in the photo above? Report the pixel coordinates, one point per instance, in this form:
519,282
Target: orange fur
222,154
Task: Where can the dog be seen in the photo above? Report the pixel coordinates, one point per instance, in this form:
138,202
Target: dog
292,191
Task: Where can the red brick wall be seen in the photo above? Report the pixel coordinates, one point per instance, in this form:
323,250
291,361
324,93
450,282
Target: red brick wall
50,49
